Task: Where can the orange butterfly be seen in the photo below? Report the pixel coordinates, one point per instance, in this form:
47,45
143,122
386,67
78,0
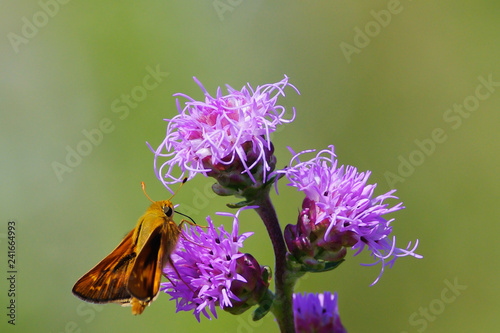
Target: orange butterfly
131,273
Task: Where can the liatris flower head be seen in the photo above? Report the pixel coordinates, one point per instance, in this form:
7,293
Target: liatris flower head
317,313
210,270
340,211
226,137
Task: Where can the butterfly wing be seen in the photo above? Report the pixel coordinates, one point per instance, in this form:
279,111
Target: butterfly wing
145,276
107,281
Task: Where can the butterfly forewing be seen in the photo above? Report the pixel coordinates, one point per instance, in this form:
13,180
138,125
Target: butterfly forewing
107,281
145,276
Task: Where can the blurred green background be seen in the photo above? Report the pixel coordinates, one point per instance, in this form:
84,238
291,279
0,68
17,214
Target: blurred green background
372,94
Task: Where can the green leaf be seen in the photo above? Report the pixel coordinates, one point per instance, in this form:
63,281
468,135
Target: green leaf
265,305
324,267
238,204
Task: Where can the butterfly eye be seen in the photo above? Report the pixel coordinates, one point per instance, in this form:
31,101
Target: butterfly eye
168,210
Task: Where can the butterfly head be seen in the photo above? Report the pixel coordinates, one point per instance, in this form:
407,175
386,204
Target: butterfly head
167,207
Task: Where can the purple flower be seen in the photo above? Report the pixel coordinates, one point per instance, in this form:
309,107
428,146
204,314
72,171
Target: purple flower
317,313
339,210
221,131
209,270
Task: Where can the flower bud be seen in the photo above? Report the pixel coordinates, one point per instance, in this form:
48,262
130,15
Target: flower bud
308,244
244,179
251,291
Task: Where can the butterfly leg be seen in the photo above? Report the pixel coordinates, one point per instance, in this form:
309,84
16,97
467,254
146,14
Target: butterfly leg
175,269
190,223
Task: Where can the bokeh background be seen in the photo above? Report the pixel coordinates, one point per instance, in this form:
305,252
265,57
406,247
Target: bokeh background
372,97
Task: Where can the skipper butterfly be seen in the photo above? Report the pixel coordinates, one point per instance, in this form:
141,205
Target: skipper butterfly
130,275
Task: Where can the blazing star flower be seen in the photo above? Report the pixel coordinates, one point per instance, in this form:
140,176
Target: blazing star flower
317,313
223,132
209,271
339,211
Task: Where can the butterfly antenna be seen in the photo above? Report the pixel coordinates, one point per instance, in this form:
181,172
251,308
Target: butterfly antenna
144,190
183,181
189,217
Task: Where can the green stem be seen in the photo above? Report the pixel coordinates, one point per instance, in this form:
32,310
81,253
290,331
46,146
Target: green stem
282,307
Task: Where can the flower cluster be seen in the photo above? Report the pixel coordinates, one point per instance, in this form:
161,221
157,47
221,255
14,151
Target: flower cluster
317,313
209,270
228,137
340,211
224,132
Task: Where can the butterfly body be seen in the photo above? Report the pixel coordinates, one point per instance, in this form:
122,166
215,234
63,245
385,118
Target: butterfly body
131,273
